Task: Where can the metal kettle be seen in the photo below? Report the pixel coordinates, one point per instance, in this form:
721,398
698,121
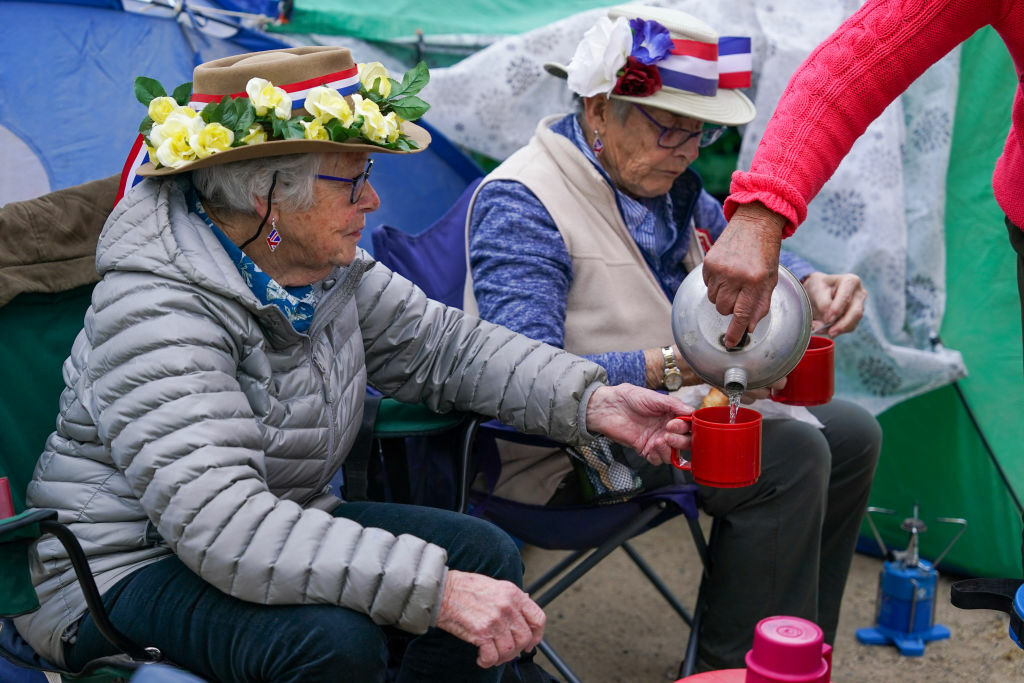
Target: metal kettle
761,357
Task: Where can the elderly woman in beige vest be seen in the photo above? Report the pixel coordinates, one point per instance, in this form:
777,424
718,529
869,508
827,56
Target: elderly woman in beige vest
581,238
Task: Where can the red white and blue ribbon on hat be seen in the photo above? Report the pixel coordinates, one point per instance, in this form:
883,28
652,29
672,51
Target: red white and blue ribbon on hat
703,68
345,82
137,157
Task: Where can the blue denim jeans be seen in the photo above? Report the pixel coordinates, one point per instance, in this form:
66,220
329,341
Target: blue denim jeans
221,638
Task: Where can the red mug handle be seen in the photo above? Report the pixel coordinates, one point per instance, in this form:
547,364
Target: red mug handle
676,460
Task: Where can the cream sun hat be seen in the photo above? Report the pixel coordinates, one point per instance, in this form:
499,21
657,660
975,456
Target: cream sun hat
288,101
665,59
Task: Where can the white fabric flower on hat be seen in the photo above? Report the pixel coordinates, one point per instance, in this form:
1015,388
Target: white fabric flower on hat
266,96
599,56
328,103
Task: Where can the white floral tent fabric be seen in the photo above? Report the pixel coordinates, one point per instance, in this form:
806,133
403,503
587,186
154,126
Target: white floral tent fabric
881,215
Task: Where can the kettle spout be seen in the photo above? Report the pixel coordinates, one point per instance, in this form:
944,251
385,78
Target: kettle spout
735,380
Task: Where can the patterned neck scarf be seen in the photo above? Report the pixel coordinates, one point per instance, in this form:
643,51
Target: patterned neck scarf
297,303
649,220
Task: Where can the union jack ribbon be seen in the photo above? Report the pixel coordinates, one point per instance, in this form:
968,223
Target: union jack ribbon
703,68
136,157
345,82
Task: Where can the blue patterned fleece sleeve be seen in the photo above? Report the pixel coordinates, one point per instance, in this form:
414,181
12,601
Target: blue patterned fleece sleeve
522,273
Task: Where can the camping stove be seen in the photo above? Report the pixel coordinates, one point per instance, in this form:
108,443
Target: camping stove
905,604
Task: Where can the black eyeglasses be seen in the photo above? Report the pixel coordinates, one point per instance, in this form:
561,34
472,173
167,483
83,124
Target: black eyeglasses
358,183
670,138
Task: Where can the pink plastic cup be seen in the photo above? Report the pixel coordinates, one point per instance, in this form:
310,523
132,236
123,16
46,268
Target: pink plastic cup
812,382
788,650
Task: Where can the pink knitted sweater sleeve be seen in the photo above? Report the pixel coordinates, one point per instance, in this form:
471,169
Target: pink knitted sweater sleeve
849,79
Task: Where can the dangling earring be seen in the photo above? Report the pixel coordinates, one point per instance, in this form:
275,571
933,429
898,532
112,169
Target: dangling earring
598,145
274,238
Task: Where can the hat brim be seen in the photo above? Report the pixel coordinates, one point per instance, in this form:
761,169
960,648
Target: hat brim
727,107
276,148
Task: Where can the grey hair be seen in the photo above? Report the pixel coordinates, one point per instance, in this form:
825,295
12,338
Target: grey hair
619,108
232,186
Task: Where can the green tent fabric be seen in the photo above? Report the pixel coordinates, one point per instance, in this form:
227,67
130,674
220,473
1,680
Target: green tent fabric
934,453
38,330
403,19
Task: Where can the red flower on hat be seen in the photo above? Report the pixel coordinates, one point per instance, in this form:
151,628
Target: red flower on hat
637,79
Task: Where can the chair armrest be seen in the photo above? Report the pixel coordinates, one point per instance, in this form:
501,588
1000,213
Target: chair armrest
396,419
500,430
20,526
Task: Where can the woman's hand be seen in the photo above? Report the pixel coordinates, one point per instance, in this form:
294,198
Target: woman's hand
742,267
496,616
641,419
837,300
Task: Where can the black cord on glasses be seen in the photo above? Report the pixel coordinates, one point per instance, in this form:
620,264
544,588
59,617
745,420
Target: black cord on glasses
270,201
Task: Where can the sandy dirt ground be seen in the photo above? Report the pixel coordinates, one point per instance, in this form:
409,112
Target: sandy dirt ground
613,626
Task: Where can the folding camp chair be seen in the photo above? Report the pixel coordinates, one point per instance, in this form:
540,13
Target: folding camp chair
23,418
434,259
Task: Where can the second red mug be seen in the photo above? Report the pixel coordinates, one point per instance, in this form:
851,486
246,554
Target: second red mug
723,454
812,382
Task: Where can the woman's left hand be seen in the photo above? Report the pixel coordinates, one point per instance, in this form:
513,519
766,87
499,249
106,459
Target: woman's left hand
641,419
837,300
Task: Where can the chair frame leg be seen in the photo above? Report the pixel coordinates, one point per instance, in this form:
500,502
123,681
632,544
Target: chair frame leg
689,663
92,595
599,554
557,662
658,583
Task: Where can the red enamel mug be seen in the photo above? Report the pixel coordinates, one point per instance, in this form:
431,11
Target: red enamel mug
812,382
723,454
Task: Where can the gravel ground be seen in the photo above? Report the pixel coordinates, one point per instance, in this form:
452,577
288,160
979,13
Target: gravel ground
613,626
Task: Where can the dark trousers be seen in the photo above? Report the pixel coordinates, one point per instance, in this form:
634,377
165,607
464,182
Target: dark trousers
785,544
222,638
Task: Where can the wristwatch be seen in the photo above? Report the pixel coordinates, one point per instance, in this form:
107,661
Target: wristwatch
673,378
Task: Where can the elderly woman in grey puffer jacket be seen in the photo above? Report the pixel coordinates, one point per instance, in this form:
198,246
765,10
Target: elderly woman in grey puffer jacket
218,384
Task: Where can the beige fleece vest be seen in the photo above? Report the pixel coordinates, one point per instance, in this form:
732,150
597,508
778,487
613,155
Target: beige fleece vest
615,303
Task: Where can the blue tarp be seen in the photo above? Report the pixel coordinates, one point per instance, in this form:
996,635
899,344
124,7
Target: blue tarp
69,113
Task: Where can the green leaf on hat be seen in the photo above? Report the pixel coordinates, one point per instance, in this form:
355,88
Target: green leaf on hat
292,129
406,144
146,124
414,80
212,113
148,88
238,115
410,108
338,131
182,93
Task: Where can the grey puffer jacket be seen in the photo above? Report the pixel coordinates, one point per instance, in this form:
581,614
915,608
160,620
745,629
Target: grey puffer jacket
197,421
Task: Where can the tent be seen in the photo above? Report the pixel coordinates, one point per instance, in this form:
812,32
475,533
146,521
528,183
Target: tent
953,449
70,114
957,451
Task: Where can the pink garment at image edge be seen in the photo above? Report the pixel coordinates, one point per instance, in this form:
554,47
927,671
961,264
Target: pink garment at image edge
852,77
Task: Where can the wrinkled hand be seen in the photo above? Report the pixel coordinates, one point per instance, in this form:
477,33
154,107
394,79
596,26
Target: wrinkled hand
836,299
641,419
742,268
496,616
752,395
